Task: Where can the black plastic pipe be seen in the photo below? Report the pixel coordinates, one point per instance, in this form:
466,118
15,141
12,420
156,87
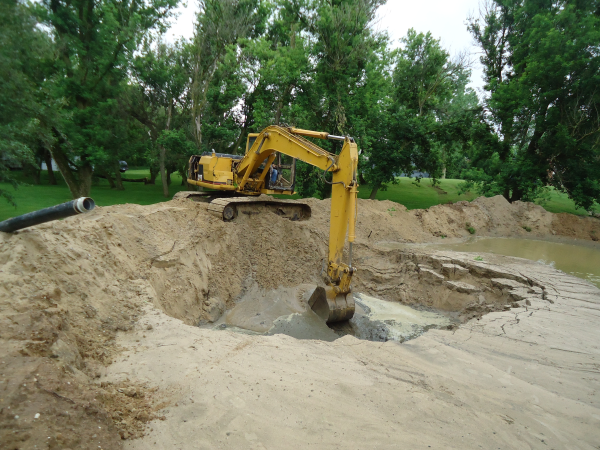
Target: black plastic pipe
72,208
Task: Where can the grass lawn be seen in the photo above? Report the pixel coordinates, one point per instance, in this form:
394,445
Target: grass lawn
413,196
421,195
31,197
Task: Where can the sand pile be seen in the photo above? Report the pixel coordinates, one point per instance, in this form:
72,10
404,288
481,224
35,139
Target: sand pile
69,288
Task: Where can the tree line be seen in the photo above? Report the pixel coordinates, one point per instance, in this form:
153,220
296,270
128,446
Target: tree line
89,83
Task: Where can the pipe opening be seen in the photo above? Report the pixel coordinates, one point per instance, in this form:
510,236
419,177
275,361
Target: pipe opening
84,204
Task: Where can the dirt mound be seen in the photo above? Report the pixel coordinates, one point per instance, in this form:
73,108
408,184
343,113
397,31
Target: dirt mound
67,288
495,216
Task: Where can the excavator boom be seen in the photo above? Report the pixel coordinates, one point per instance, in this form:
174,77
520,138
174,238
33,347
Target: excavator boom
250,175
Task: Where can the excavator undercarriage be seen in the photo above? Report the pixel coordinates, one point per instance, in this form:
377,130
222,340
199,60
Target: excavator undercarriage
229,207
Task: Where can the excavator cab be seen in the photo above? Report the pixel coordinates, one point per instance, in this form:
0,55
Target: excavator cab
281,177
250,140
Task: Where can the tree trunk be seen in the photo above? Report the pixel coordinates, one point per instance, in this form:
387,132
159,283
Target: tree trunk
242,136
80,186
118,180
278,112
48,161
111,182
289,88
163,172
444,173
84,174
34,171
153,174
374,190
516,195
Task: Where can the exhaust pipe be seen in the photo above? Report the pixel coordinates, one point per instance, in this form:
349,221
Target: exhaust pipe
72,208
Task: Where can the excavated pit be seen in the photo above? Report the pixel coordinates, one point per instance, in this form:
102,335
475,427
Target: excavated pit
70,289
427,290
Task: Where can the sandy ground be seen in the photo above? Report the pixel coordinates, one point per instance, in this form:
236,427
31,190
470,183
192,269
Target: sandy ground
98,335
524,378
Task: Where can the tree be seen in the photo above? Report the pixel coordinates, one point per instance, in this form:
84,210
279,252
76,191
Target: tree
344,45
457,119
222,120
23,50
160,99
542,67
95,42
277,68
220,24
418,123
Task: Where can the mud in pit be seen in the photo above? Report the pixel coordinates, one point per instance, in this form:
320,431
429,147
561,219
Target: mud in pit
286,311
100,337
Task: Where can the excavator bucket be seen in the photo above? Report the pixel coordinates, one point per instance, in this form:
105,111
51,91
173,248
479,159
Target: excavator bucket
331,307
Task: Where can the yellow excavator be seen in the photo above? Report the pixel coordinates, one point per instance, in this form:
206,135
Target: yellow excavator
246,177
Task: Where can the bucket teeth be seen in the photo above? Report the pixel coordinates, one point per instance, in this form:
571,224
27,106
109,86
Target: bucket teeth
332,307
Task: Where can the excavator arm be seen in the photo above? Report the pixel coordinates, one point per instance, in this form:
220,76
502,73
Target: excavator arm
334,303
247,175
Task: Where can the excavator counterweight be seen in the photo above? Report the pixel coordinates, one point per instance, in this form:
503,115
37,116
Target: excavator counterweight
233,180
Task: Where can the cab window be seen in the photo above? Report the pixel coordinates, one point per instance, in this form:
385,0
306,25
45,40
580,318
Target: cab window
251,140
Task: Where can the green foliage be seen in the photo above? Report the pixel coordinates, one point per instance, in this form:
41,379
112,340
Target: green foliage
103,86
23,48
427,115
344,45
307,180
221,26
91,61
160,103
542,69
221,122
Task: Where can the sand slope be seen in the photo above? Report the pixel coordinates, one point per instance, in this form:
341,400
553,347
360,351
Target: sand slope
98,335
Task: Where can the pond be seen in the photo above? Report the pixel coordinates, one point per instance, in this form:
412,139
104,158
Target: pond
581,259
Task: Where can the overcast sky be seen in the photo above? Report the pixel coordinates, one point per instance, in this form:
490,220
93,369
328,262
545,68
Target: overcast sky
444,18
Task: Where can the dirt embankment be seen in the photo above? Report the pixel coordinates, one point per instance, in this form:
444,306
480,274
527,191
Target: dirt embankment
67,288
380,221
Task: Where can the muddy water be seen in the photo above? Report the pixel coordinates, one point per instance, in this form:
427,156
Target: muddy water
374,320
282,311
380,320
577,259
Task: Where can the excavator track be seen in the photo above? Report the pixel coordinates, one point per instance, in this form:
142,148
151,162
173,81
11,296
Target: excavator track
229,208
